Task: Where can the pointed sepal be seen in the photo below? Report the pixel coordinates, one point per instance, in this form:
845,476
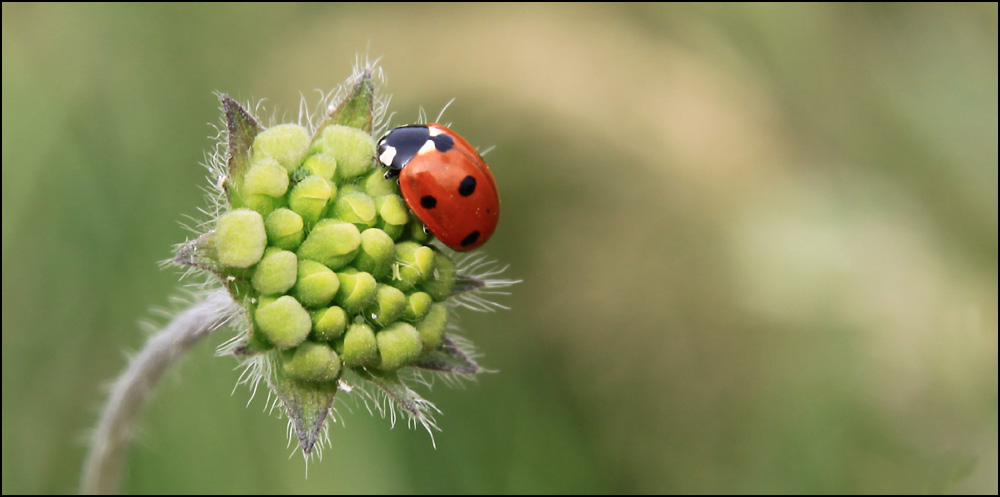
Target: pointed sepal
307,403
242,128
357,108
200,253
448,358
416,409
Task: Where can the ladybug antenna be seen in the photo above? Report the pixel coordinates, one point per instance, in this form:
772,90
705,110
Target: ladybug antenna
444,109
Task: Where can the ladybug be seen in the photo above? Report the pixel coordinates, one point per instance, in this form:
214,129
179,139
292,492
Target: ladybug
444,181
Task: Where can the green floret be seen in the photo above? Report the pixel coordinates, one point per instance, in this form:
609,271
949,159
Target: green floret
240,238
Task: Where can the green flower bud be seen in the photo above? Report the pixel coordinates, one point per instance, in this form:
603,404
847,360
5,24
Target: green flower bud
352,188
376,183
417,305
415,230
352,147
284,229
286,143
263,204
357,290
329,323
322,165
312,362
432,327
394,231
377,253
442,279
354,207
331,242
414,263
358,347
393,215
240,238
275,272
388,306
309,198
317,284
398,345
266,177
283,322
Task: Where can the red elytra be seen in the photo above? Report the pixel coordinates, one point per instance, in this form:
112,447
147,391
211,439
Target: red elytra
445,182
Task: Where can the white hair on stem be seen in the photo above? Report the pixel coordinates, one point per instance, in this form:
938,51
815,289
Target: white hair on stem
106,456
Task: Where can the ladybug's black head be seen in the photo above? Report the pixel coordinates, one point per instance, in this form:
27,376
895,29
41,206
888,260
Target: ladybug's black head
402,144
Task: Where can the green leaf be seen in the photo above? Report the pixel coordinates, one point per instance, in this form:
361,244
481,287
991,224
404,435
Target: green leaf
448,358
466,283
415,407
200,253
243,128
307,403
357,107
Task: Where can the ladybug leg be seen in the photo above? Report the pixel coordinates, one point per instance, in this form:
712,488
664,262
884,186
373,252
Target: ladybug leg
392,173
427,231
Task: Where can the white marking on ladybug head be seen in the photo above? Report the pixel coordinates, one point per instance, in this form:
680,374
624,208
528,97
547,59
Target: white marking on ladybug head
428,147
434,130
387,156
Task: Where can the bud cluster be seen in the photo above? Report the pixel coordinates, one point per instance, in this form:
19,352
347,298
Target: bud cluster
339,283
336,271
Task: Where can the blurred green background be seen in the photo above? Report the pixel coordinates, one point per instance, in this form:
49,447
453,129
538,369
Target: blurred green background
759,242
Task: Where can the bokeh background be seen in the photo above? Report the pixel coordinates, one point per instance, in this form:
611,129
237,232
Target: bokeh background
759,242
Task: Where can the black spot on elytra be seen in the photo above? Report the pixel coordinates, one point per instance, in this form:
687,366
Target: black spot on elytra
467,187
443,143
428,202
469,240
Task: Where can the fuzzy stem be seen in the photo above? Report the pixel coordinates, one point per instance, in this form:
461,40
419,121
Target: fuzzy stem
105,460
